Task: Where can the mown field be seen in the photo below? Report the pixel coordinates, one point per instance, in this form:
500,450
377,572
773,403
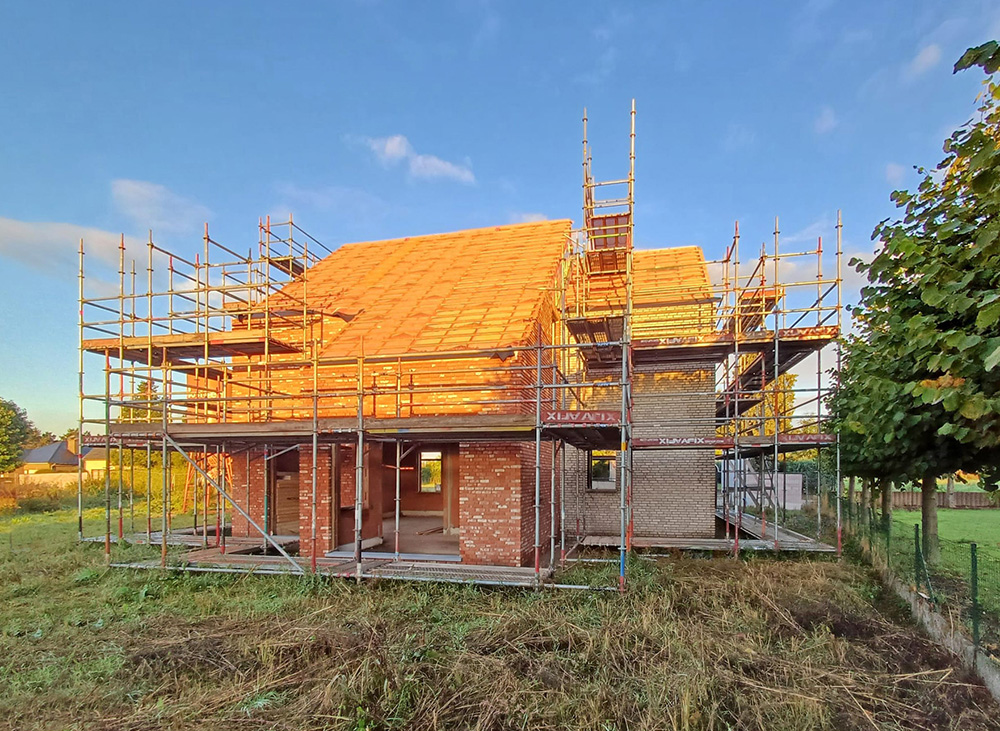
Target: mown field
981,526
697,644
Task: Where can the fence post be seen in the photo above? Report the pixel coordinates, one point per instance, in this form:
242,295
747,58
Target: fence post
916,555
974,590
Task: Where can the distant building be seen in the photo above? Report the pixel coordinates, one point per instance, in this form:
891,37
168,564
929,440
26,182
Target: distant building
61,457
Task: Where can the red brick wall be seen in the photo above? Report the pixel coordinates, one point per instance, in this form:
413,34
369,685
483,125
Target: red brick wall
247,490
490,503
527,454
324,499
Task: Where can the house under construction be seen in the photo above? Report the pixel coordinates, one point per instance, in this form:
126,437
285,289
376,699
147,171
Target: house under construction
468,406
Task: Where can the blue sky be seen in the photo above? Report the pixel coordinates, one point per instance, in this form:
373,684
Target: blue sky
375,119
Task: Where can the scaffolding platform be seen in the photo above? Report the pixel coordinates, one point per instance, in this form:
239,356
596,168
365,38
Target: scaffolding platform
189,539
160,349
788,540
583,429
213,561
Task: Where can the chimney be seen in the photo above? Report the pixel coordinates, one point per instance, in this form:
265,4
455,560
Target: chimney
71,444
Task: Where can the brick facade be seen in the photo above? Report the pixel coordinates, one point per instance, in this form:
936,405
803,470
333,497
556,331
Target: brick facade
247,490
325,503
673,491
489,503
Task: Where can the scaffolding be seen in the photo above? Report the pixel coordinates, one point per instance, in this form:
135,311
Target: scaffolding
212,356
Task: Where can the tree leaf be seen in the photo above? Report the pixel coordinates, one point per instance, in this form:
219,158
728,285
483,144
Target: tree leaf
992,359
988,316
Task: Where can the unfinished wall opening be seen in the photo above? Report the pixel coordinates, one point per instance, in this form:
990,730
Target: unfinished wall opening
602,471
283,484
430,471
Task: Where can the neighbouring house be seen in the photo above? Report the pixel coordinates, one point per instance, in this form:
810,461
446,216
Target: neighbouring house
61,458
49,458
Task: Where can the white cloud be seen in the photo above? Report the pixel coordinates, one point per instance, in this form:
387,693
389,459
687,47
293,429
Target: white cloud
54,247
390,149
894,173
396,148
605,65
156,207
604,49
528,217
738,137
807,23
826,121
926,59
488,31
809,234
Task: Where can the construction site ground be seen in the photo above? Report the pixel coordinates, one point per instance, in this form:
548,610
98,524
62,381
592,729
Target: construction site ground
756,643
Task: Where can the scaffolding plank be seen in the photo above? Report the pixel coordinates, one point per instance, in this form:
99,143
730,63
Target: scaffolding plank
151,351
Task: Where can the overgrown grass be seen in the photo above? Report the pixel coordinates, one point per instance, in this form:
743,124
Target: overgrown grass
696,644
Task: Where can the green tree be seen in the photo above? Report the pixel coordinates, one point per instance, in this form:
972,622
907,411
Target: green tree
39,438
146,392
15,431
920,388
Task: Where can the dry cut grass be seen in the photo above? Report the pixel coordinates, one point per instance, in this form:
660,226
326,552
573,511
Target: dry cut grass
697,644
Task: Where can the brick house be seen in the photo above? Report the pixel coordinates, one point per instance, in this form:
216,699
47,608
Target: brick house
492,397
473,498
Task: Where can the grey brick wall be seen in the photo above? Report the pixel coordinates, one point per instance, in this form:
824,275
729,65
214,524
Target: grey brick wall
673,493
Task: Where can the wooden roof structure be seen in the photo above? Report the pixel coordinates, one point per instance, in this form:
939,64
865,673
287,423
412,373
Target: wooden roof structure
468,290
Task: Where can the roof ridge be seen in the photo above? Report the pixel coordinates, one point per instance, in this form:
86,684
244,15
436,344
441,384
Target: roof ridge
498,227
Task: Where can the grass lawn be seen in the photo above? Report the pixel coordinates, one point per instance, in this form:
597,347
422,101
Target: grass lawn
957,529
697,643
959,526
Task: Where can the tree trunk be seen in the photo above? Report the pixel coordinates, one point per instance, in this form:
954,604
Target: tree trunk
928,518
887,487
863,508
850,500
950,502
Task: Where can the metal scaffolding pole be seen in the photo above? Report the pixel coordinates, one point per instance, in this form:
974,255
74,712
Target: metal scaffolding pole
552,510
107,453
562,506
538,453
149,489
819,393
739,485
121,488
315,455
80,415
840,310
396,507
221,528
166,496
777,329
359,467
226,496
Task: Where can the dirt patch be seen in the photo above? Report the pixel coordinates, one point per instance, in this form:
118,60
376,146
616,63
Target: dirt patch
896,671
